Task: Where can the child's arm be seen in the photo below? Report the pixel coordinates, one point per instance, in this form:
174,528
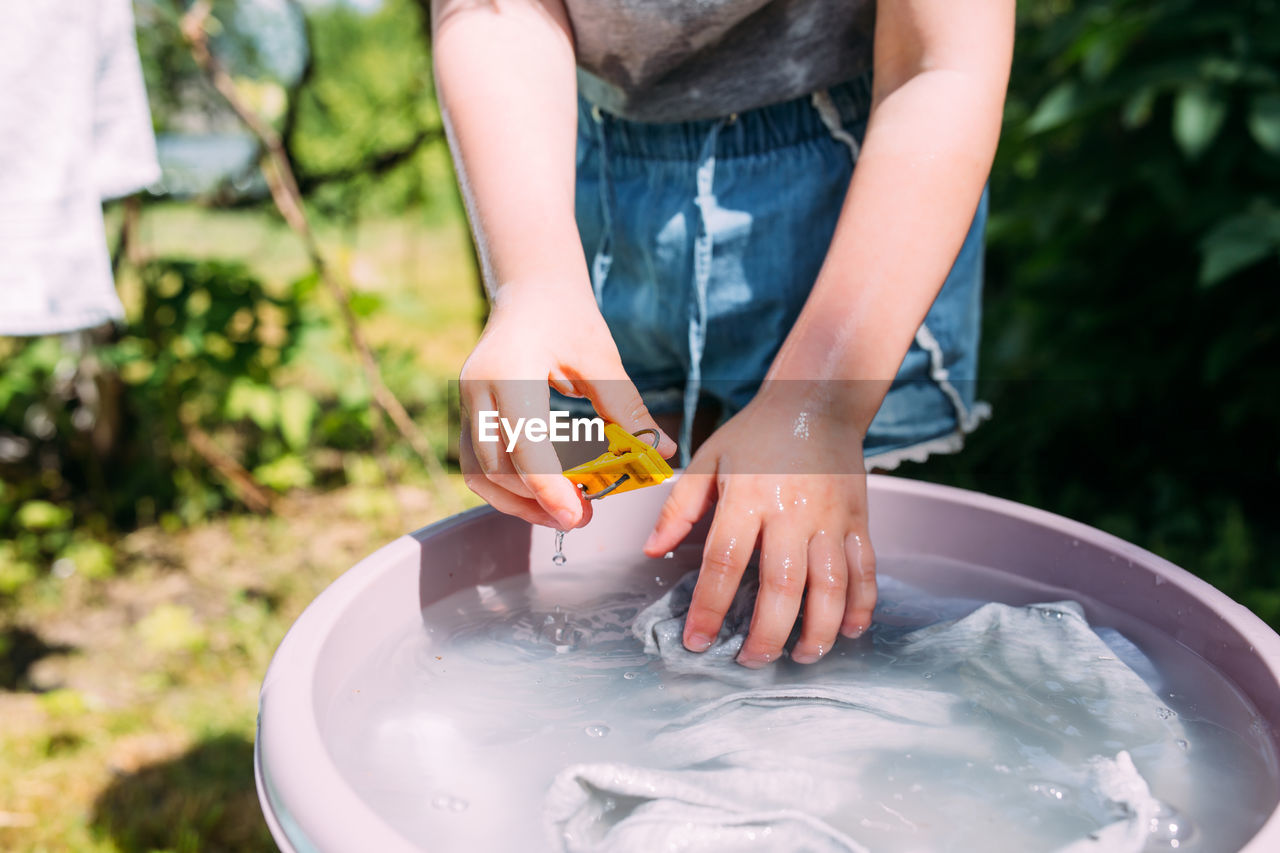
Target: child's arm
506,78
941,68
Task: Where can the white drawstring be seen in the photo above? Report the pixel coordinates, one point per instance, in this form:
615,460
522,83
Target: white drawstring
831,118
604,250
702,257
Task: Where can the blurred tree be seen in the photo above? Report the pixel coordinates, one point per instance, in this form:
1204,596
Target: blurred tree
1133,308
350,92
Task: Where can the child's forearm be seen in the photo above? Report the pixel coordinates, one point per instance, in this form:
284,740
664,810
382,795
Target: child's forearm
928,149
506,81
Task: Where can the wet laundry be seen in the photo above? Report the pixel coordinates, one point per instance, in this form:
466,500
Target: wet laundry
1007,728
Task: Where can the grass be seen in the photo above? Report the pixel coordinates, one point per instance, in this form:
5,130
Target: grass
136,730
129,704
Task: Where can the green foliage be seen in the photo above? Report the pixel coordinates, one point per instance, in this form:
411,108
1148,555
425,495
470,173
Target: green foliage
15,570
171,628
176,88
1133,306
368,113
349,90
102,441
1239,242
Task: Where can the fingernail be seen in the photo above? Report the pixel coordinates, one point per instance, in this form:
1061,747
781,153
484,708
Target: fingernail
752,660
697,642
806,656
649,543
853,632
565,519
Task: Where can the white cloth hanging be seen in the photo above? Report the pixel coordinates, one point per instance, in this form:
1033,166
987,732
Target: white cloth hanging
75,129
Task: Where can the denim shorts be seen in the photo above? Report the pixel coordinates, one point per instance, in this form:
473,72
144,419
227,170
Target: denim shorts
704,239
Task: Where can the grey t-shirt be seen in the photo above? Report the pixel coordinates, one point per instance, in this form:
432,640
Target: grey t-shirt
680,60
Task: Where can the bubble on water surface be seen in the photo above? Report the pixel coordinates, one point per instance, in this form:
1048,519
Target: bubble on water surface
1049,790
445,802
1170,828
558,631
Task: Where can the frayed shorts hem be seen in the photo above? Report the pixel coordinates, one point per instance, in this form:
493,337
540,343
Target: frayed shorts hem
952,442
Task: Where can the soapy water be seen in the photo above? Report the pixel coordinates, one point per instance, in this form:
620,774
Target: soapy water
455,726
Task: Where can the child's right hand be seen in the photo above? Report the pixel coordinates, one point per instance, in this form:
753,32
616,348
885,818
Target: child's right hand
538,335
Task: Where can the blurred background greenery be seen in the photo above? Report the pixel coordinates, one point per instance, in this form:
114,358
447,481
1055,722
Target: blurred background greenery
173,493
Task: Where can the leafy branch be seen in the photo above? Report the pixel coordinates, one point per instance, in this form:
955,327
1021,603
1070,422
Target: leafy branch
282,183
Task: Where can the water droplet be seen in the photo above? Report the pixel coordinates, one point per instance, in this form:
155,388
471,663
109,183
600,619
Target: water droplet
1182,744
630,675
928,675
669,555
1165,713
444,802
597,730
559,558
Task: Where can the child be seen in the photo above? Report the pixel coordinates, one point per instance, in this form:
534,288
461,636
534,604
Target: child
735,254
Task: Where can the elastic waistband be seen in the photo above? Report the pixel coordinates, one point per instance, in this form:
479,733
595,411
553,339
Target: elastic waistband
743,134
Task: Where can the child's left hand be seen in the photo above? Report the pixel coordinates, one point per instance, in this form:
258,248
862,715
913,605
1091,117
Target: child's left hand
793,477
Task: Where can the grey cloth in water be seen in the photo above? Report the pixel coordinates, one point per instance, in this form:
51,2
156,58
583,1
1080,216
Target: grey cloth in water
1008,712
660,626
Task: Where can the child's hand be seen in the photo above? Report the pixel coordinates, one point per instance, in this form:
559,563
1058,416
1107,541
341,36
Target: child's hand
766,467
539,335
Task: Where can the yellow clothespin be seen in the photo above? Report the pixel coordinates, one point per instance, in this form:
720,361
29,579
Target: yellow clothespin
628,464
